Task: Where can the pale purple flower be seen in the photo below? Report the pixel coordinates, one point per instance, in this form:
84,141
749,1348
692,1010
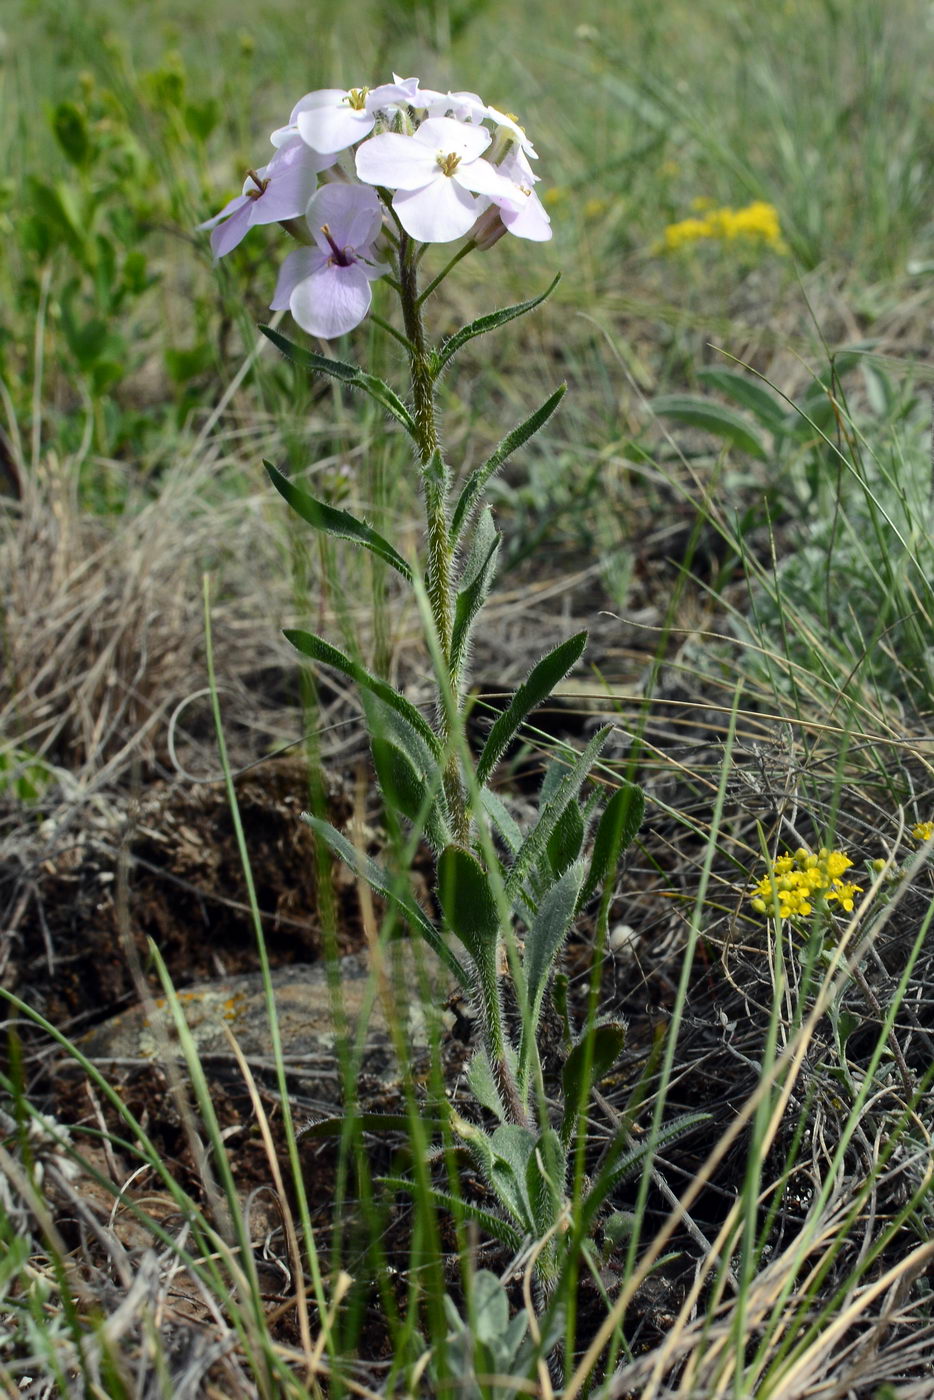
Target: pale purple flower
522,211
280,190
332,119
437,174
327,287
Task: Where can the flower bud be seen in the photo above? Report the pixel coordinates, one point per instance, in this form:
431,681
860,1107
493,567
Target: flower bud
488,229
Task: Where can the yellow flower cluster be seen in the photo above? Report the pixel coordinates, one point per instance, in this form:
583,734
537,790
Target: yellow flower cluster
923,831
797,880
755,223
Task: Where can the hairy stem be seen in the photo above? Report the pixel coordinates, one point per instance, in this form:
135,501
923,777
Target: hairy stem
435,477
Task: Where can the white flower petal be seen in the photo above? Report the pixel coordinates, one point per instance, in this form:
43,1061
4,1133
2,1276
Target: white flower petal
447,137
398,162
332,129
438,213
483,178
527,219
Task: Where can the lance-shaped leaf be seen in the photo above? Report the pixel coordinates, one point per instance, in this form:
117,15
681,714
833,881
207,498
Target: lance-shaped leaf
543,942
383,883
713,417
473,486
617,1167
483,1085
494,1225
336,522
315,647
408,790
483,324
377,389
589,1060
619,822
469,905
749,394
545,1180
504,823
539,684
533,847
475,587
512,1146
564,843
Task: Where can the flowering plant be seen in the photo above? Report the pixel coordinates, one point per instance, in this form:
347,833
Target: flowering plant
365,179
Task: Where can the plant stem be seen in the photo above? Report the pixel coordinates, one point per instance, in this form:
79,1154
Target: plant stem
435,478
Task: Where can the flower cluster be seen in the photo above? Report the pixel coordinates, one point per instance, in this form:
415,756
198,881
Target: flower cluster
796,880
756,223
923,831
354,170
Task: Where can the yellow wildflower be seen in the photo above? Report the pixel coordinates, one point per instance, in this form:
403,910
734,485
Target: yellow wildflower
756,223
923,831
795,880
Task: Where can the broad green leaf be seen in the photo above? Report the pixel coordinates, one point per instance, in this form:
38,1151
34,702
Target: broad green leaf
377,389
564,843
539,684
749,394
713,418
382,882
619,821
494,1225
336,522
534,845
319,650
490,1307
602,1047
483,1085
545,939
473,486
512,1147
483,324
407,790
468,902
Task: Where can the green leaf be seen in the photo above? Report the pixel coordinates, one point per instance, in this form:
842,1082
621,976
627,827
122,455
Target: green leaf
619,821
407,790
487,323
483,1085
713,418
490,1307
494,1225
512,1147
564,843
470,491
478,575
369,1123
319,650
616,1168
336,522
545,1174
382,882
70,125
534,845
602,1044
503,821
377,389
539,684
749,394
544,941
468,902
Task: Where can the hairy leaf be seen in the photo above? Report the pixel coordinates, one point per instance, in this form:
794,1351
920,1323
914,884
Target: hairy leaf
539,684
377,389
483,324
336,522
